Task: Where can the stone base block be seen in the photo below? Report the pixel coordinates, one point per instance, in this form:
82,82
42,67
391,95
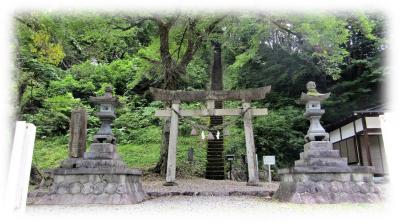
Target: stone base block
77,189
338,162
328,188
320,154
102,147
318,145
101,155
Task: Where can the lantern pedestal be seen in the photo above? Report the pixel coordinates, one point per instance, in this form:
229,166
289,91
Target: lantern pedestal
322,176
100,177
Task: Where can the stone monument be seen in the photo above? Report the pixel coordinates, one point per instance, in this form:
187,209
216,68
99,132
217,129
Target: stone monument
100,177
77,135
321,175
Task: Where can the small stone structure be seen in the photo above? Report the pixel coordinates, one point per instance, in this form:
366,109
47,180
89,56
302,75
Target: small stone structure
100,177
321,175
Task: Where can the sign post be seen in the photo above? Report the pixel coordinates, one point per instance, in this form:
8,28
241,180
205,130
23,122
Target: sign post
230,158
268,161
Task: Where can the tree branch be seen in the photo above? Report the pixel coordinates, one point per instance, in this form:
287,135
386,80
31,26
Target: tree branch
280,26
195,39
157,62
181,42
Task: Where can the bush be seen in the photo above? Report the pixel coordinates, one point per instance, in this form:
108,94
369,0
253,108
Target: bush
281,133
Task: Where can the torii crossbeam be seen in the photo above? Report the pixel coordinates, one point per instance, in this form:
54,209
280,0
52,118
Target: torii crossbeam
246,96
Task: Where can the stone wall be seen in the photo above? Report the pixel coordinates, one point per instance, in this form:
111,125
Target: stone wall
94,189
328,188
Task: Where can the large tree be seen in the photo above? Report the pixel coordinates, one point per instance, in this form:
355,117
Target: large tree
175,54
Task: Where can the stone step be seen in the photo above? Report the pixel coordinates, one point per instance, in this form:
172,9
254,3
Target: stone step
221,162
339,162
215,172
320,154
318,145
215,158
216,153
214,150
215,146
219,145
321,169
217,139
215,167
216,163
102,147
218,171
216,142
215,177
100,163
342,162
101,155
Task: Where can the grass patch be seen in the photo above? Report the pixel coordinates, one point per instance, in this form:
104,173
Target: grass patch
49,152
140,156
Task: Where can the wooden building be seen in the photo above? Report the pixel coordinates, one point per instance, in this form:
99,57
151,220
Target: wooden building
359,138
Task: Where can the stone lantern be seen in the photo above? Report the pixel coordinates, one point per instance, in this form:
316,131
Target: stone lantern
321,175
100,177
312,99
107,104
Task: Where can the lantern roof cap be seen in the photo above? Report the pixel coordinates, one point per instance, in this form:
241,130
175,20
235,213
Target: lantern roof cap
312,94
106,98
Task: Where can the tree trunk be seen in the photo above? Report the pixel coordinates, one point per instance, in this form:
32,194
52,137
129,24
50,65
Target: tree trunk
215,147
173,70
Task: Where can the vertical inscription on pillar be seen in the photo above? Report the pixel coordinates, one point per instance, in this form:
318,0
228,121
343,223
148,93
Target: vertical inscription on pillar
78,130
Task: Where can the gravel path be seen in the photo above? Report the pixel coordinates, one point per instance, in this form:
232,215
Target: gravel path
208,205
207,187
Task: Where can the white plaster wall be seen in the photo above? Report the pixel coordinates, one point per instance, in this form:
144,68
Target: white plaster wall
359,126
373,122
347,130
334,136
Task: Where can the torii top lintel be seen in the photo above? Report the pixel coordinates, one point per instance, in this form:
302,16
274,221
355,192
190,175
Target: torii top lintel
203,95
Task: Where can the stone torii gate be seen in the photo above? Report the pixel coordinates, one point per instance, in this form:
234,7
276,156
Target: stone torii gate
210,96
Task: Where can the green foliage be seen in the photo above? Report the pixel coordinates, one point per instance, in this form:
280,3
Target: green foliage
143,156
49,152
198,167
53,118
46,51
281,133
62,60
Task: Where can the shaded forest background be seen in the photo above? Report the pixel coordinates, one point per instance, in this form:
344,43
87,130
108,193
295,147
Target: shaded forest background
63,59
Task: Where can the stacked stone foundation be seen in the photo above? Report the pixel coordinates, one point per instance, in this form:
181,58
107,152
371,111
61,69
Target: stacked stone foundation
94,189
322,176
98,178
328,188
